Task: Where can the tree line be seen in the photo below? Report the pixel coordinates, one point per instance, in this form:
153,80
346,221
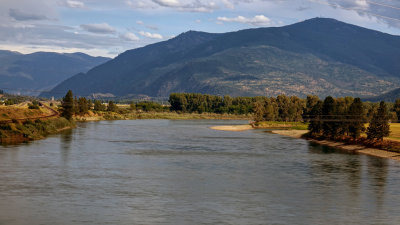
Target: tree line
333,118
71,106
330,118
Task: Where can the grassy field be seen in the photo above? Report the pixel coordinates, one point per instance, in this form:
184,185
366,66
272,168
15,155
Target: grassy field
21,111
394,132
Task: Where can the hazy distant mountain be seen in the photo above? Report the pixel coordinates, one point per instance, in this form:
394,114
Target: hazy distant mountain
32,73
390,96
318,56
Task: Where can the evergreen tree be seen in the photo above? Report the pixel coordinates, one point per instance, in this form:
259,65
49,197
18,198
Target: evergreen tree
329,118
82,105
76,105
356,118
315,125
379,125
311,101
68,105
89,104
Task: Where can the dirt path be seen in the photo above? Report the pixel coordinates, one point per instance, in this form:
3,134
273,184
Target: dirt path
54,114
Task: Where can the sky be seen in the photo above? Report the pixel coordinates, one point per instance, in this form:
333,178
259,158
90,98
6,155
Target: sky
110,27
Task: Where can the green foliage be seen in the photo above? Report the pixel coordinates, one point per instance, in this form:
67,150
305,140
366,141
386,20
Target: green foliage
99,106
89,104
83,106
33,105
315,116
149,107
67,106
9,102
33,129
396,108
200,103
379,125
330,119
356,118
112,107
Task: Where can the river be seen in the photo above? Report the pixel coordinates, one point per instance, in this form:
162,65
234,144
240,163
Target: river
182,172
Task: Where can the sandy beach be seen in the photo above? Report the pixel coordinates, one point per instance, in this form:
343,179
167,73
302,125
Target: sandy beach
233,127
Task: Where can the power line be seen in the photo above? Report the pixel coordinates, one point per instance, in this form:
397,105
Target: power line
354,9
381,4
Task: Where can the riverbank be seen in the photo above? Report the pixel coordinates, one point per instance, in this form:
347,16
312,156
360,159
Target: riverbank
359,149
29,130
92,116
286,127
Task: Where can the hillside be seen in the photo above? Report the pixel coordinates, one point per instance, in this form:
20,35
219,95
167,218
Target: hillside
31,73
390,96
318,56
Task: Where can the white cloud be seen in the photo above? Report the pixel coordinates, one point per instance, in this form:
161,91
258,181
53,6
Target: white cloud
228,4
168,3
75,4
259,20
151,35
101,28
362,3
24,16
128,36
134,4
139,22
188,5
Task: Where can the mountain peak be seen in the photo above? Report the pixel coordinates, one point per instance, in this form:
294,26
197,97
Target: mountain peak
339,58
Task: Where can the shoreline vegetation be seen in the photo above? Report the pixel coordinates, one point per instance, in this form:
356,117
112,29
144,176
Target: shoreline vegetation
350,148
336,122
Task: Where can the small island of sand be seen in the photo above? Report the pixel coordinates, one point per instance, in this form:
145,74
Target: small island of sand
233,127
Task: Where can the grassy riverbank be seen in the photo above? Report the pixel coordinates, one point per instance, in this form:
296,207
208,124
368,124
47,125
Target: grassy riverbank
93,116
32,130
281,125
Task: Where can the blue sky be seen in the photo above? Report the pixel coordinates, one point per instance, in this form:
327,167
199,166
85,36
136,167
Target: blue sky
109,27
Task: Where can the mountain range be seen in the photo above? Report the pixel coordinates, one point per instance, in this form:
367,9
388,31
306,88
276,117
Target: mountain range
29,74
319,56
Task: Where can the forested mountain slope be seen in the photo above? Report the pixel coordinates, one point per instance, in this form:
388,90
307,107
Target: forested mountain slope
318,56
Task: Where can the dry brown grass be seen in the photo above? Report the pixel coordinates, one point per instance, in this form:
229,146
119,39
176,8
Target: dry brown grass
21,112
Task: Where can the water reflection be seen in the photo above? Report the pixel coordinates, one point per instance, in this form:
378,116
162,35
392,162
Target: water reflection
65,143
181,172
377,170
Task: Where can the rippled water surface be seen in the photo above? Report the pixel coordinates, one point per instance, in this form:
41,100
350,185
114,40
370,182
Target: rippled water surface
181,172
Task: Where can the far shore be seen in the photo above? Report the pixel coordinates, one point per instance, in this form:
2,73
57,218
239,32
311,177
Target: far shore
359,149
346,147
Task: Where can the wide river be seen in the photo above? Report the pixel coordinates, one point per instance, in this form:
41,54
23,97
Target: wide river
182,172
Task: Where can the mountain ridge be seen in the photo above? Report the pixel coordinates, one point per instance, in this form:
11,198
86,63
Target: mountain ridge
31,73
201,62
